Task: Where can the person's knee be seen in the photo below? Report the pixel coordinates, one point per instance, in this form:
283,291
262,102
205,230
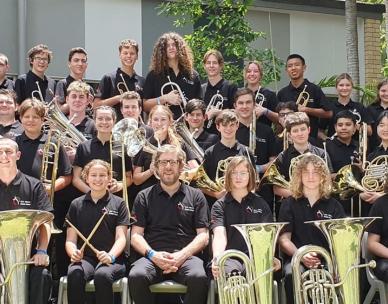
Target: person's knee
102,276
75,274
198,278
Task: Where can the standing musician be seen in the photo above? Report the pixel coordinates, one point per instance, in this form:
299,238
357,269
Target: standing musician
21,191
317,105
124,79
195,118
344,87
77,63
5,83
130,106
253,74
227,124
213,63
375,109
161,120
298,129
310,200
10,127
99,147
170,232
35,84
172,60
239,206
105,264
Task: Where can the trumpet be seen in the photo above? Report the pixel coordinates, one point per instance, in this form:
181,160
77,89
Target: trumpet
37,94
259,97
215,103
175,87
122,86
303,98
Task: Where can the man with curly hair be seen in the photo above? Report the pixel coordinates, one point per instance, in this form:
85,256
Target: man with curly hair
172,60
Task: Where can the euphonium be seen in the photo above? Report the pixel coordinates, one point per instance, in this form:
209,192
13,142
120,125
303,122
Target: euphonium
37,94
303,98
17,231
216,102
122,86
340,282
256,286
176,87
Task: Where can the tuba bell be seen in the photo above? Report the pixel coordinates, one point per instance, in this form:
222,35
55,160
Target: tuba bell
340,282
256,286
346,184
17,230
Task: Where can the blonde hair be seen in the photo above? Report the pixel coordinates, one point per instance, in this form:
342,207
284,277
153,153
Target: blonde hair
79,87
92,163
296,185
236,161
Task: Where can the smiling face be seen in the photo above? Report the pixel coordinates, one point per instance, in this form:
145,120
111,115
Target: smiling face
171,49
345,128
130,108
383,94
104,121
40,62
160,121
32,122
382,129
7,107
98,178
244,106
212,66
168,168
78,64
344,88
228,130
300,134
252,74
77,101
295,68
128,57
195,119
240,177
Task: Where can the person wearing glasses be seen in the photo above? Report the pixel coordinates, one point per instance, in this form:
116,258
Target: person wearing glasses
35,80
10,127
170,232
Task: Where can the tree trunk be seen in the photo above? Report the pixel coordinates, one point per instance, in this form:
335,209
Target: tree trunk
353,65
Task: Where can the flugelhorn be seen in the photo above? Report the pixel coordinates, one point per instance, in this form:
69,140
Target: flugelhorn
37,94
175,87
340,282
303,98
215,103
122,85
256,286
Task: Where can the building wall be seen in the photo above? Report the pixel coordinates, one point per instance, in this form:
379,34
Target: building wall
372,51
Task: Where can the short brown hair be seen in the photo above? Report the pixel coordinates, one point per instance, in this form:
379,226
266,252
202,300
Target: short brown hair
226,116
296,119
95,162
242,92
76,50
113,112
38,49
216,54
130,95
34,104
169,149
236,161
10,141
128,43
9,94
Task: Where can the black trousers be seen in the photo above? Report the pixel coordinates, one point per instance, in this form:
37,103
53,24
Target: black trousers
381,270
104,275
39,285
288,282
144,273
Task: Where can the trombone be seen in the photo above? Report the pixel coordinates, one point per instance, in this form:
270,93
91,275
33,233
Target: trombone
122,86
175,87
303,98
215,103
37,94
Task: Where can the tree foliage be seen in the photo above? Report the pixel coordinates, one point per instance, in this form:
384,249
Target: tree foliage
221,25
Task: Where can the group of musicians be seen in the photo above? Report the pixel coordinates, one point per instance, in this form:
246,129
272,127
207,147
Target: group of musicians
97,193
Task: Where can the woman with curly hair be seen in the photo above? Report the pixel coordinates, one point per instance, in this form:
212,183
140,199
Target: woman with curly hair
172,60
310,200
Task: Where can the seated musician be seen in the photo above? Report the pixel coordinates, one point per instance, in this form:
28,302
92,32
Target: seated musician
99,147
239,206
20,191
105,262
195,118
298,128
170,232
10,127
310,200
161,120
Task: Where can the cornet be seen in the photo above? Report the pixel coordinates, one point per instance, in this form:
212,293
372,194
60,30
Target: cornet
303,98
215,103
37,94
122,86
259,97
175,87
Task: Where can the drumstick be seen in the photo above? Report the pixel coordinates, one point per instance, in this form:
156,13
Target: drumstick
82,237
94,230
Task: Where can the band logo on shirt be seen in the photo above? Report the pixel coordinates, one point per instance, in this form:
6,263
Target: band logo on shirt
249,209
110,212
323,216
16,202
188,81
185,208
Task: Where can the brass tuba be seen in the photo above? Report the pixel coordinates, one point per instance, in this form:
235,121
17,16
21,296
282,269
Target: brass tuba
340,282
256,286
17,230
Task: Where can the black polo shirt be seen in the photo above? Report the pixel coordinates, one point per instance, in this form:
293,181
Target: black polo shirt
30,161
190,86
108,86
206,139
84,213
317,100
380,226
317,142
223,87
24,192
379,151
270,102
95,149
227,212
61,89
26,84
340,153
170,223
219,152
265,141
7,84
374,110
11,131
337,107
283,161
297,211
87,127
